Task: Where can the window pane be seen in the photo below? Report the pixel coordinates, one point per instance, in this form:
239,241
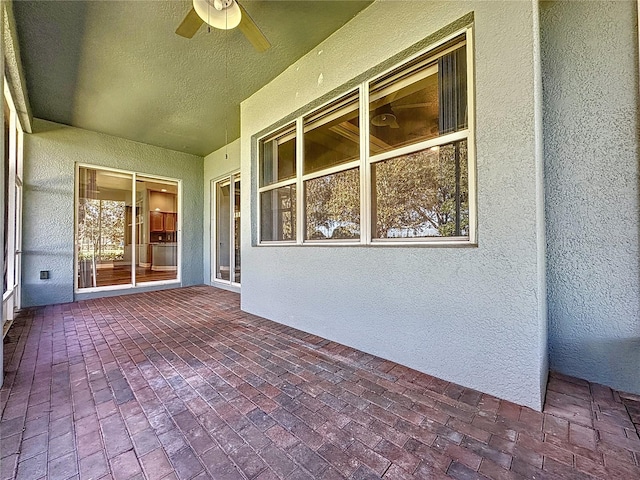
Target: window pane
18,235
114,228
332,206
227,202
423,194
5,222
156,216
236,226
278,157
419,101
223,235
278,214
332,136
104,246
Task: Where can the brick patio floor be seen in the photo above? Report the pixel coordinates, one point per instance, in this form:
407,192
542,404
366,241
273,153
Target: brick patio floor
182,384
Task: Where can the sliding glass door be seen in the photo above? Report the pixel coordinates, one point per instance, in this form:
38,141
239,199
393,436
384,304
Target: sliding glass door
126,229
104,248
12,213
156,230
226,226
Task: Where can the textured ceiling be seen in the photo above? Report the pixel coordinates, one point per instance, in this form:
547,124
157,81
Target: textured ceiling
117,67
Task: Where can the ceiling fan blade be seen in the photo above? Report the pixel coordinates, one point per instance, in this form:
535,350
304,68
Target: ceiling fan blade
412,105
190,25
250,30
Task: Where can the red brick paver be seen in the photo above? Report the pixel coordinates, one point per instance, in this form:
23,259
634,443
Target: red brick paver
182,384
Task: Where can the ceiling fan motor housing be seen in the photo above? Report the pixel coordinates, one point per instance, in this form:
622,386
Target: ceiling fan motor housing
220,4
222,14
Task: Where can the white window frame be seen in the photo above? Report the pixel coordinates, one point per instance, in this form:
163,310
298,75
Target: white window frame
366,161
134,253
12,298
214,228
295,180
342,167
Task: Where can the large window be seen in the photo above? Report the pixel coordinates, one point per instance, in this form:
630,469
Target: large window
127,229
390,162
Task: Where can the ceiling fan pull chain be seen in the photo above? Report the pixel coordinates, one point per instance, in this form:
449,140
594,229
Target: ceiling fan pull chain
208,22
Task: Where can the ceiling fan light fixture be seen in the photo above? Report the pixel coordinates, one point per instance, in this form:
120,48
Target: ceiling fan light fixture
222,14
384,120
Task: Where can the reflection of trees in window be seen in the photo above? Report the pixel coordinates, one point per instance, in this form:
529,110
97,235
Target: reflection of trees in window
101,229
278,205
278,214
332,206
423,194
286,215
416,127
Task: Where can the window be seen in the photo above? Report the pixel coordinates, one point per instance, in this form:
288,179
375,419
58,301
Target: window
332,206
419,175
331,177
127,229
391,162
278,214
278,157
278,181
422,194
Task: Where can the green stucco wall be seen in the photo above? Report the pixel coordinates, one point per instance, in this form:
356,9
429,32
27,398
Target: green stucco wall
474,316
51,153
590,78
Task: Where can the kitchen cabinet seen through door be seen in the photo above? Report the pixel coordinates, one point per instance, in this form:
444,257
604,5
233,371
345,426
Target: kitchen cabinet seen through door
127,229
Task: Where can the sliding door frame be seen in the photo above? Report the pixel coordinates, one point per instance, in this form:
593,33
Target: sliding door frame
134,224
231,178
12,298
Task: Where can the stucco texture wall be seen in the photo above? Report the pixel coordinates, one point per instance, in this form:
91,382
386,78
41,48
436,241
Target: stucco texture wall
51,153
222,162
590,78
474,316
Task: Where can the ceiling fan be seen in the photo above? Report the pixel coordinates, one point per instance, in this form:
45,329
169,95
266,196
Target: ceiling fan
405,106
222,14
387,116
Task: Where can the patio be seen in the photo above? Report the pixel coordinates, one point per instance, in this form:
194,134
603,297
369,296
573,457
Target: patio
182,384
